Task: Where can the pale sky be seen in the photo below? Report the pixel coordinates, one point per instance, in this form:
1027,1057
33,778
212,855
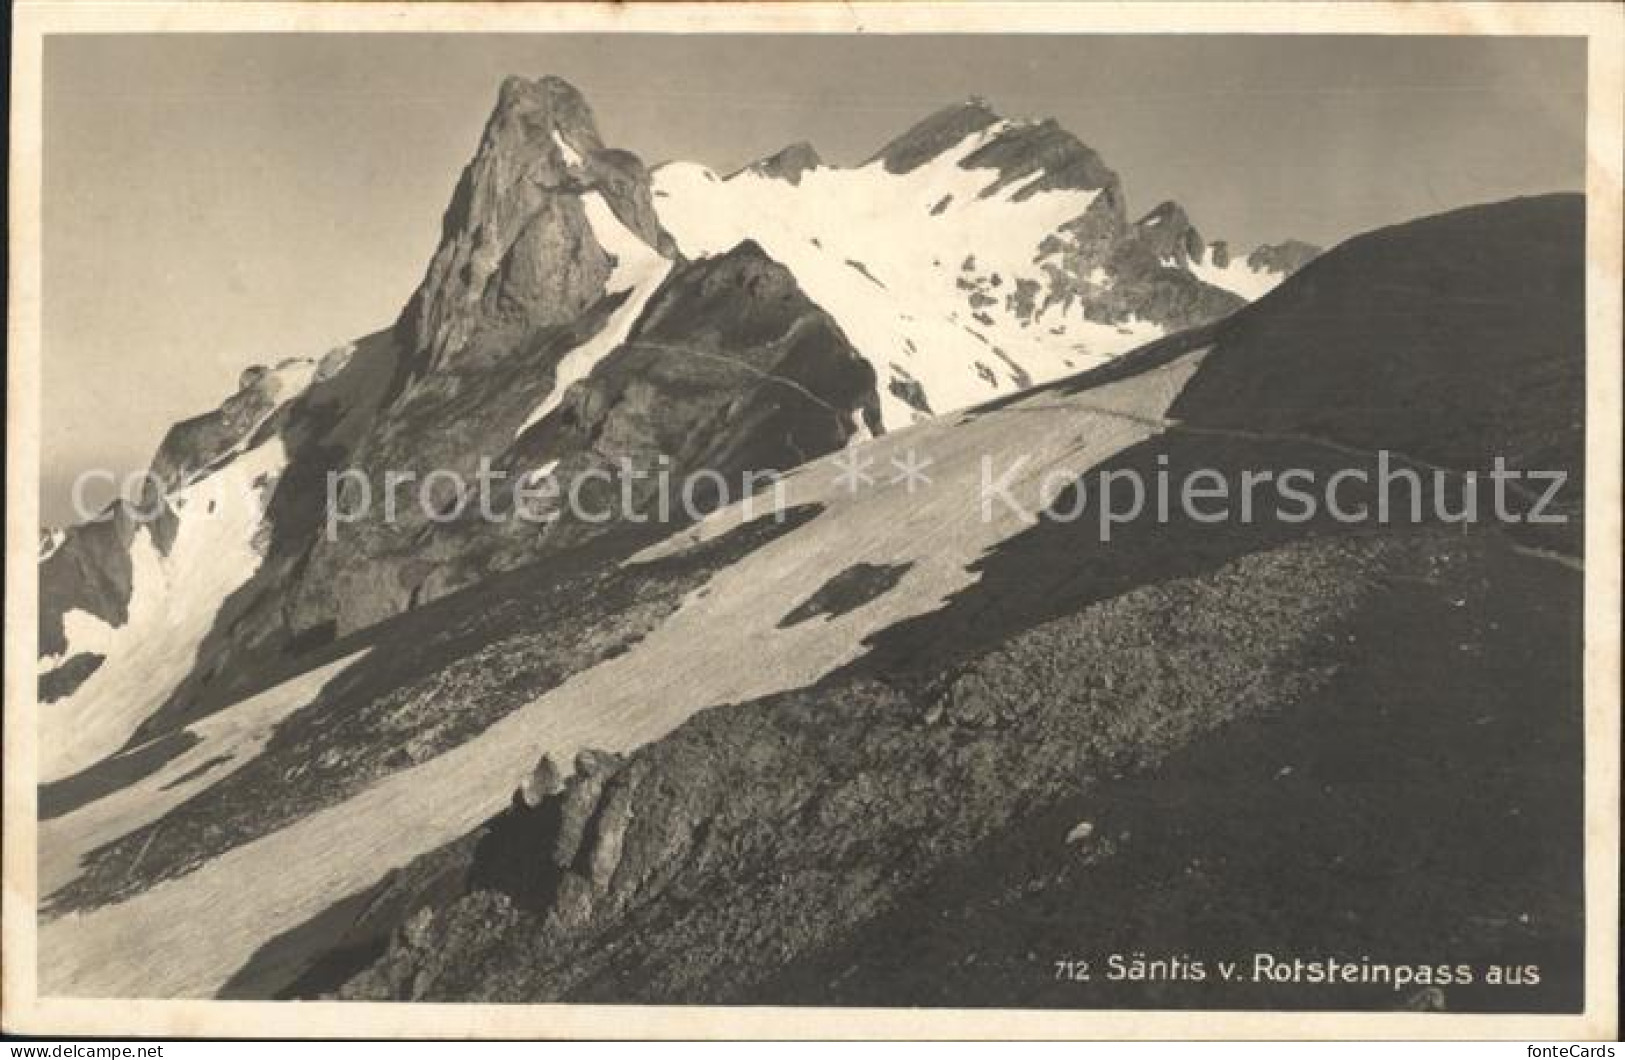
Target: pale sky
216,201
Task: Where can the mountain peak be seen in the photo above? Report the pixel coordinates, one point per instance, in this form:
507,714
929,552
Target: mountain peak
517,247
554,96
1042,156
1168,232
789,163
547,84
1036,155
935,134
1165,212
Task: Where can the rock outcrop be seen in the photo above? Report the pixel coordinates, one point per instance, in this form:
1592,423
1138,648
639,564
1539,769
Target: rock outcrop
1283,258
787,164
196,446
1169,235
89,571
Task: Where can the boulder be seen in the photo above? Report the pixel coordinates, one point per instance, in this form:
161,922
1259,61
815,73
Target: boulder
543,783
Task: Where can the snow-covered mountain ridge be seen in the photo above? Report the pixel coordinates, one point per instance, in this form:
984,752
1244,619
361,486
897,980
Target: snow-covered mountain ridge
972,256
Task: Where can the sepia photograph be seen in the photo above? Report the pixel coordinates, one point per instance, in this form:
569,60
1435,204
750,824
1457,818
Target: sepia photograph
813,521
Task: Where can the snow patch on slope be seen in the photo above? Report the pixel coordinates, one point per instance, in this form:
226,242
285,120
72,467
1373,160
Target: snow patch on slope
226,741
638,269
81,632
173,602
571,157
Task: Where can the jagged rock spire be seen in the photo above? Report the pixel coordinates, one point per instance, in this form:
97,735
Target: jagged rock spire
517,249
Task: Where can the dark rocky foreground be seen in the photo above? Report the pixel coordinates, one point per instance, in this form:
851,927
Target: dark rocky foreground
1196,743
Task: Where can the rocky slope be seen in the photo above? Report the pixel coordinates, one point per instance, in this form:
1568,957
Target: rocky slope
887,751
